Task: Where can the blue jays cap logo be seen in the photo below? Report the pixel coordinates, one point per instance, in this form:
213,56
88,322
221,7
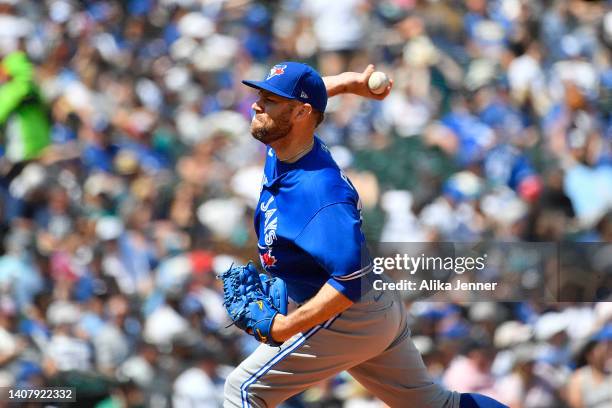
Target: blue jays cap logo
276,70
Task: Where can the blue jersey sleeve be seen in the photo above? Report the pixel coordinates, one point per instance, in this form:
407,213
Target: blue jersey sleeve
334,239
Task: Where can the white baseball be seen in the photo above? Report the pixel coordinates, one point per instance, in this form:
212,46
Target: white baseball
378,82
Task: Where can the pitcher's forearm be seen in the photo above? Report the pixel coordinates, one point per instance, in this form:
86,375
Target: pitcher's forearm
327,303
355,83
339,84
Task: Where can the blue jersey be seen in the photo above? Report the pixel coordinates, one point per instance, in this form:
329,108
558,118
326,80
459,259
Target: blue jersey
308,226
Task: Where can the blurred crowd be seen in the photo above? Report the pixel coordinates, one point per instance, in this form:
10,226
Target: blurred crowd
128,179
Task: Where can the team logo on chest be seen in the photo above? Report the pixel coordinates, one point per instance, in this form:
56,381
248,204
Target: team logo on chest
270,221
267,259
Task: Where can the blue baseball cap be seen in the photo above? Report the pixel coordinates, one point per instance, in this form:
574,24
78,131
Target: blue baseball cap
294,80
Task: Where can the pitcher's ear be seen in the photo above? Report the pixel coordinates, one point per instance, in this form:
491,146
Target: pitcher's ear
304,111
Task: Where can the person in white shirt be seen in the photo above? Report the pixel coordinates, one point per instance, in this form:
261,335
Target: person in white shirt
197,386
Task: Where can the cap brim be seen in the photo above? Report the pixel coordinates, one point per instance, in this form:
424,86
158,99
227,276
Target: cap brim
267,87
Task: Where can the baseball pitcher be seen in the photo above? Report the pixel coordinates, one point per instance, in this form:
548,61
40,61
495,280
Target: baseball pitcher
310,242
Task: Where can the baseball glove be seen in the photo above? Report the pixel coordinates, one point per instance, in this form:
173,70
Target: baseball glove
252,303
276,290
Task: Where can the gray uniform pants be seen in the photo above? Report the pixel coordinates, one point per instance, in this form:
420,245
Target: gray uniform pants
371,340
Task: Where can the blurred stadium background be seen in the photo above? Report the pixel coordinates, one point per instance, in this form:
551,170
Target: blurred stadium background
138,180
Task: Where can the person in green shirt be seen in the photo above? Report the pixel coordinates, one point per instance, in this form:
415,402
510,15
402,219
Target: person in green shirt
24,117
